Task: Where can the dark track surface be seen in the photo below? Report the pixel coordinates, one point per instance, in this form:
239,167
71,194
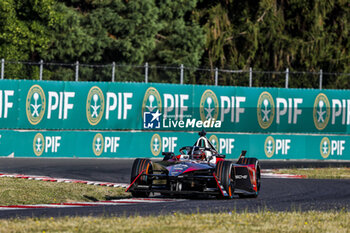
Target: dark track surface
113,170
276,194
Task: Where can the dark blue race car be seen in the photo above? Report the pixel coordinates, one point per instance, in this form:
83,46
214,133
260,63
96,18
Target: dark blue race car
198,169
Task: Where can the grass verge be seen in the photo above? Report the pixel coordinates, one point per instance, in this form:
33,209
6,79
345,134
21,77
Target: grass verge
312,221
15,191
318,173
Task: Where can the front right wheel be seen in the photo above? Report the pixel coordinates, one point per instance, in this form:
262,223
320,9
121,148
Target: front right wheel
257,177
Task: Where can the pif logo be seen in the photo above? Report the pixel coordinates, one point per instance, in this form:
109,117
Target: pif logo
265,110
331,147
325,147
209,106
95,104
321,111
156,144
47,144
105,144
35,104
222,145
269,146
151,101
98,144
38,144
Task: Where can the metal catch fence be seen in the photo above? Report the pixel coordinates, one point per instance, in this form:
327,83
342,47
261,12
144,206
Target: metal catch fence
171,74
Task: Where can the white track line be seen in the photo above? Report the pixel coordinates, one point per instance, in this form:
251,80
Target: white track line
125,201
269,174
63,180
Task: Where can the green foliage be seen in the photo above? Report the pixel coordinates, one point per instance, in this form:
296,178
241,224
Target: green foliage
228,34
275,35
180,39
24,31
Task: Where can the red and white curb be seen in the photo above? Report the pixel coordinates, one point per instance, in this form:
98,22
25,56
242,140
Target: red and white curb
268,173
91,204
63,180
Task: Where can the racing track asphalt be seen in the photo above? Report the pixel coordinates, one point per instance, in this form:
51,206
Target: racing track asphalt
276,194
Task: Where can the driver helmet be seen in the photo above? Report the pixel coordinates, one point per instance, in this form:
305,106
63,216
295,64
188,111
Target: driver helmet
198,154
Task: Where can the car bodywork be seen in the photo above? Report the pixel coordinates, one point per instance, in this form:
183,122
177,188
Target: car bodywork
198,169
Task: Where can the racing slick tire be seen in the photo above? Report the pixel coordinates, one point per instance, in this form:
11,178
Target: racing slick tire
225,174
138,166
256,163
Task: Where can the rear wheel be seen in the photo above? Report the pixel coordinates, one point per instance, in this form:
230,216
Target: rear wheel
138,166
225,174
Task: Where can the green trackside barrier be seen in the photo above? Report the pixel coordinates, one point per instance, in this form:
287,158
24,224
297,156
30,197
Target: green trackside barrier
56,105
124,144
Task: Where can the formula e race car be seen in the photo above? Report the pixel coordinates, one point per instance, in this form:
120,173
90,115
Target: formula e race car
198,169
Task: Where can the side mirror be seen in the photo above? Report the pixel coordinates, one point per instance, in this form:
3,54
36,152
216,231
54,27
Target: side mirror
168,155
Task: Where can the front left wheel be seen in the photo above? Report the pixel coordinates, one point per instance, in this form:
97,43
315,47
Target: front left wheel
145,166
225,174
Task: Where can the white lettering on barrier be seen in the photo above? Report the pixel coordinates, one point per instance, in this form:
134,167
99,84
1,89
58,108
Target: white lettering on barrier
341,108
169,144
337,147
111,144
109,107
226,144
5,104
282,145
282,107
171,102
233,105
121,102
60,101
53,143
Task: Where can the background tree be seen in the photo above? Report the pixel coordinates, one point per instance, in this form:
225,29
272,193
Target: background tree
268,35
179,40
105,32
25,28
275,35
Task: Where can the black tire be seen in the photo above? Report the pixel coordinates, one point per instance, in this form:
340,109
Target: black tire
255,161
225,174
138,166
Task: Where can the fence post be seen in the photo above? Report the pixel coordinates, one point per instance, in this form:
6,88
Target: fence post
146,72
216,76
2,68
182,74
250,76
41,70
321,77
77,71
113,71
287,77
